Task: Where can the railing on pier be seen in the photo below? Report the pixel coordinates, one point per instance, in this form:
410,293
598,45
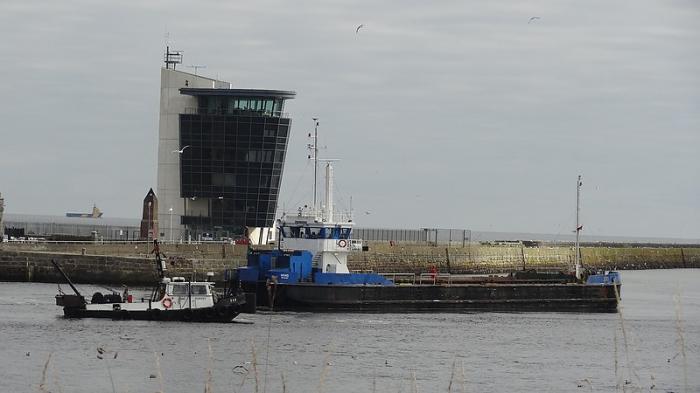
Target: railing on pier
420,279
237,112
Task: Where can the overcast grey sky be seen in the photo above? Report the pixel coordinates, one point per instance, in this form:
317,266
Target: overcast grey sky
445,114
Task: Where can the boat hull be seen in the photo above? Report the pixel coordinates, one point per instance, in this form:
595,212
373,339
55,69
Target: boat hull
440,298
223,311
210,314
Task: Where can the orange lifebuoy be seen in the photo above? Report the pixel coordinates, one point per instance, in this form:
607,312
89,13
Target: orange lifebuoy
342,243
167,303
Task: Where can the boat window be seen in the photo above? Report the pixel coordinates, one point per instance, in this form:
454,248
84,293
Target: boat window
159,294
345,233
312,233
180,289
291,232
199,289
280,262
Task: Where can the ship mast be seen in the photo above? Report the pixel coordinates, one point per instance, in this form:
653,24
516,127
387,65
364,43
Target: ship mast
579,227
329,192
315,158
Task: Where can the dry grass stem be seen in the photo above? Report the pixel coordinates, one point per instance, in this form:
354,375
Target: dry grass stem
414,386
42,384
111,379
55,380
255,367
207,385
618,377
452,375
681,338
160,373
324,371
630,368
267,352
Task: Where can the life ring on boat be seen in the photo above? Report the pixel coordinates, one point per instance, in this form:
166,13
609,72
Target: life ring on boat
167,303
342,243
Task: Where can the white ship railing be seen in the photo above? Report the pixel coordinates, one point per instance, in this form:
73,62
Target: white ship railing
318,215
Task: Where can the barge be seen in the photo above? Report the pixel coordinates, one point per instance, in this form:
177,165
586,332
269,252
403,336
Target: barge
308,272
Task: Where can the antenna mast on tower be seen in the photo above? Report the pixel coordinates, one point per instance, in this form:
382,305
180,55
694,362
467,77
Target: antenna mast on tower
172,57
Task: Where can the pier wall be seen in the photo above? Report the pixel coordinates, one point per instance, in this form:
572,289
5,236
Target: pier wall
131,249
477,258
94,264
26,266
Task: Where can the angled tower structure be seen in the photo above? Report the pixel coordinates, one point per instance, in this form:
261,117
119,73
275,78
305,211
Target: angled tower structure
221,154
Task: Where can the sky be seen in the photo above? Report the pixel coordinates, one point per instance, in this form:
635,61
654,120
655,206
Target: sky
447,114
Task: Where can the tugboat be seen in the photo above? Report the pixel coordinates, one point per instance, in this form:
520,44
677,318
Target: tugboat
309,272
171,300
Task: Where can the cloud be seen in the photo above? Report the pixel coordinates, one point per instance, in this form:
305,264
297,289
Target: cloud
489,118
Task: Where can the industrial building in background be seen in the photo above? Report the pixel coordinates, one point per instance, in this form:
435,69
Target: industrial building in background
221,154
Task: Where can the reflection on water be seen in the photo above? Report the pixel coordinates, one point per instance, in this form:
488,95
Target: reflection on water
493,352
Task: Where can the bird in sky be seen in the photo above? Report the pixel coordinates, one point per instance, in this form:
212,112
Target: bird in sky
534,18
181,150
357,30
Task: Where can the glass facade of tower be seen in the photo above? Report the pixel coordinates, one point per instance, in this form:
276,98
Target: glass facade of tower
234,160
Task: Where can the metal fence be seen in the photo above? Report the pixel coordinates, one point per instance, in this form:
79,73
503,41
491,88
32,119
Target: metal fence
423,235
114,232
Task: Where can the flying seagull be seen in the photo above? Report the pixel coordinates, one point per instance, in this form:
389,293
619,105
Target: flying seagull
533,19
358,28
181,150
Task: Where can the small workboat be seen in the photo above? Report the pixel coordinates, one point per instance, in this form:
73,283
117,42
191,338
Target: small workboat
171,300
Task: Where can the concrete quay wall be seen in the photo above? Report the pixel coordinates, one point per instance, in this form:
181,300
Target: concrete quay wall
474,258
98,268
131,249
22,266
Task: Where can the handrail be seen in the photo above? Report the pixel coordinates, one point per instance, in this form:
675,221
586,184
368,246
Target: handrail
227,111
93,242
428,278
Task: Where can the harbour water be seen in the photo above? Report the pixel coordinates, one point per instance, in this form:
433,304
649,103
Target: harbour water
648,349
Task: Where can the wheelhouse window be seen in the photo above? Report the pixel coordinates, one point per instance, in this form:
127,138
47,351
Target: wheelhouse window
180,289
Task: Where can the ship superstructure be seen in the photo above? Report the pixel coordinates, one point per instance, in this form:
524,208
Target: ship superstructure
323,232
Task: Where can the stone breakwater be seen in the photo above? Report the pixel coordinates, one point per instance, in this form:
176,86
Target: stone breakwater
477,258
26,266
132,265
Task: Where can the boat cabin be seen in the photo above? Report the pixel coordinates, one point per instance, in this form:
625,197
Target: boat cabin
178,293
318,231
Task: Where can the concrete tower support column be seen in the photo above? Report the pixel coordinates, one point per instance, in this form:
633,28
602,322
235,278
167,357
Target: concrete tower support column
172,104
